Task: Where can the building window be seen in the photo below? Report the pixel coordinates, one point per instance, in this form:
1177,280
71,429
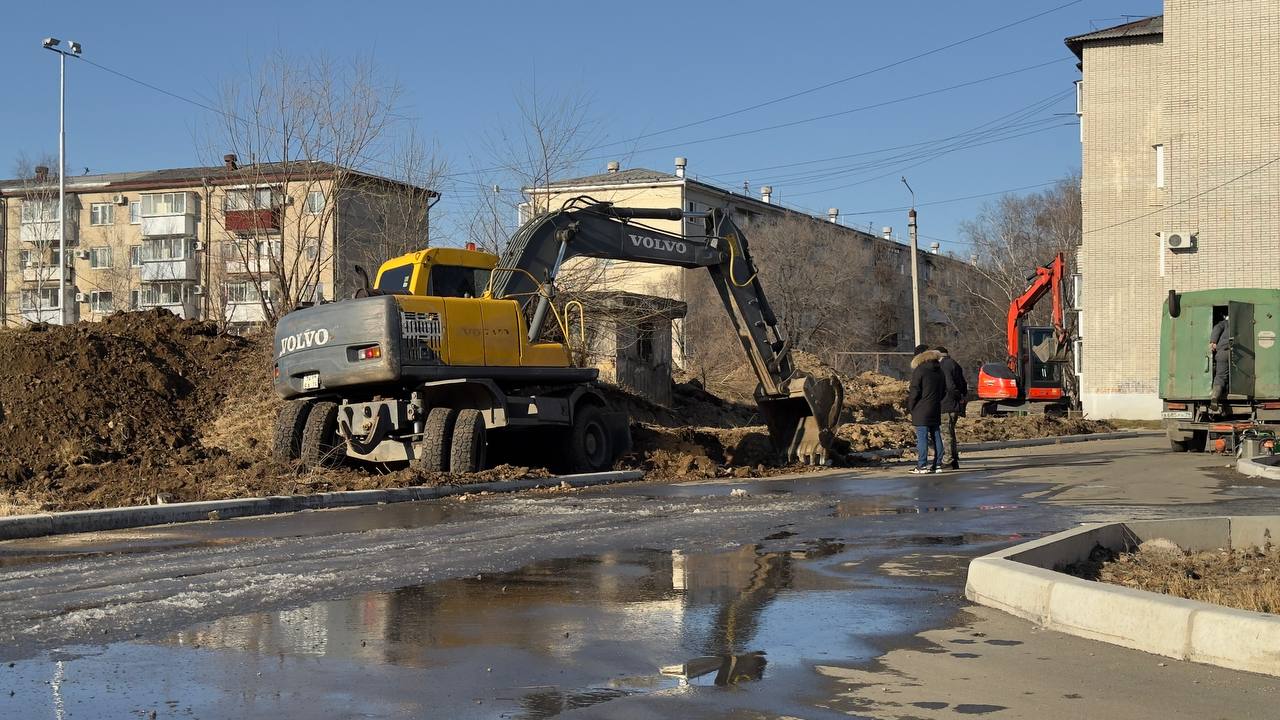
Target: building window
160,204
135,299
312,248
24,259
1079,98
37,211
644,340
263,198
135,256
135,213
245,291
166,293
38,299
102,214
100,257
100,301
1159,165
315,202
165,248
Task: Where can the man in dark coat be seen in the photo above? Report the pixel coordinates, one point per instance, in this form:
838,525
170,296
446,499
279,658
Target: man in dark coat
1220,346
924,403
952,406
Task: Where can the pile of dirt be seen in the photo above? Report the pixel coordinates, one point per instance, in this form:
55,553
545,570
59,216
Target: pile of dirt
900,434
1246,579
678,453
137,385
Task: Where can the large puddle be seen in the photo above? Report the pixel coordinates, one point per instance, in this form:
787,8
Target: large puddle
738,628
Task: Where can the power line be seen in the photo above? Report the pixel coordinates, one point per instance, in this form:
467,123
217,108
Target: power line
841,113
953,200
833,83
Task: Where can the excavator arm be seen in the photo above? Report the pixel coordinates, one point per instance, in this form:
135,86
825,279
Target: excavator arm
1048,279
800,410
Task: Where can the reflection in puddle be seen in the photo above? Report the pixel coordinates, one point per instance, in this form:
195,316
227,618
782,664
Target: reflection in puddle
551,637
722,671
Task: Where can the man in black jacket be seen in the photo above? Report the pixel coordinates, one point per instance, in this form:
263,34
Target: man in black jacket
952,405
924,402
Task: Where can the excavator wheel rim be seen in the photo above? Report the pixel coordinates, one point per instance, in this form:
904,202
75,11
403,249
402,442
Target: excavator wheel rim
589,429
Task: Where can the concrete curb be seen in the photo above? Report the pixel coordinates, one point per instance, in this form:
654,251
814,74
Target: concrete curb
1055,440
25,526
1023,581
1253,468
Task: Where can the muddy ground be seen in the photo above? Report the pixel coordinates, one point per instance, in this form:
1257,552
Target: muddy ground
144,406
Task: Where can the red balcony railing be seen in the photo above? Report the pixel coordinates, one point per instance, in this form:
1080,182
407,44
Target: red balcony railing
253,221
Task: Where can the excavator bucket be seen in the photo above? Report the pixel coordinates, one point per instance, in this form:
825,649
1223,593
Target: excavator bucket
1049,350
803,424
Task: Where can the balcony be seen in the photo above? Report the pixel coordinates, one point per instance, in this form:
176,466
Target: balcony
259,265
46,273
162,225
46,231
253,221
50,316
246,312
164,270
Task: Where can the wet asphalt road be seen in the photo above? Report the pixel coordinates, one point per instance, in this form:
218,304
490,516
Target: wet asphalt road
633,601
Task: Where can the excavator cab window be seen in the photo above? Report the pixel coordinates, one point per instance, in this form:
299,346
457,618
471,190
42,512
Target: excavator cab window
458,281
396,280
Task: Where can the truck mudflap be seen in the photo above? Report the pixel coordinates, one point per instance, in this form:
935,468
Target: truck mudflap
802,424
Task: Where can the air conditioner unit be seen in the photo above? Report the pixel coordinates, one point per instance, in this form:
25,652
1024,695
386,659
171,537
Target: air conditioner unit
82,297
198,245
1178,239
197,289
82,254
119,199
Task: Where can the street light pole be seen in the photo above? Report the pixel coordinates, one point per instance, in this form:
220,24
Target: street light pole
73,49
915,274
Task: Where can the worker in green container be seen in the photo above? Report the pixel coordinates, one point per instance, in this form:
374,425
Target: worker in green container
1220,346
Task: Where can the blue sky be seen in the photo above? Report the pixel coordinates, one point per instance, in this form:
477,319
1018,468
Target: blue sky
646,68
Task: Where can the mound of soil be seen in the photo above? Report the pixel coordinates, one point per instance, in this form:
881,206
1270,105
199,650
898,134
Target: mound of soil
900,434
137,385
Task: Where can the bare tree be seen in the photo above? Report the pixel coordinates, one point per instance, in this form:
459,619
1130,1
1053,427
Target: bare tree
314,140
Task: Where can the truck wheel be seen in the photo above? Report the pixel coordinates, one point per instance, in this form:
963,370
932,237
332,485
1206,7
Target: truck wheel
467,450
1179,440
437,434
319,447
287,443
590,448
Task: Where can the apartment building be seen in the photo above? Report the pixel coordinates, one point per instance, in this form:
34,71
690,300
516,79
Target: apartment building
237,244
1180,135
944,280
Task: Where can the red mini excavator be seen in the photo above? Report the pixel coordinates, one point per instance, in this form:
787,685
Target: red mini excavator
1030,380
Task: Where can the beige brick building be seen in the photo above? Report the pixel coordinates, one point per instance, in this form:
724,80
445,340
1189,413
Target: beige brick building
237,244
941,276
1180,115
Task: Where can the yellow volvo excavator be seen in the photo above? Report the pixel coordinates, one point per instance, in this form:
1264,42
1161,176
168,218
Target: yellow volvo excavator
446,350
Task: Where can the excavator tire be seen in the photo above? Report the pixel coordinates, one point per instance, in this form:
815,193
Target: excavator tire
287,443
467,449
437,437
319,446
590,444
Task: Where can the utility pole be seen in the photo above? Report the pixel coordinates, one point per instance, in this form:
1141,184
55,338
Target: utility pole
497,232
915,271
73,49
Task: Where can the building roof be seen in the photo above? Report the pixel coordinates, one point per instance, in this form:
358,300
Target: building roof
189,176
1153,25
629,176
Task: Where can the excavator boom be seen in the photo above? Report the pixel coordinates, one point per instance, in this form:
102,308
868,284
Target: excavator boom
800,410
1048,279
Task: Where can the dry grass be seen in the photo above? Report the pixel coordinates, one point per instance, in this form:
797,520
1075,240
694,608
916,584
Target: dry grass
1247,579
17,503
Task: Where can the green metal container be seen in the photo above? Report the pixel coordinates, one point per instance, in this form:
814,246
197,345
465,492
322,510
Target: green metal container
1186,364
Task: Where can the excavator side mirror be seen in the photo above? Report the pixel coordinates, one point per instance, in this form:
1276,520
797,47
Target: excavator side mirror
366,288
